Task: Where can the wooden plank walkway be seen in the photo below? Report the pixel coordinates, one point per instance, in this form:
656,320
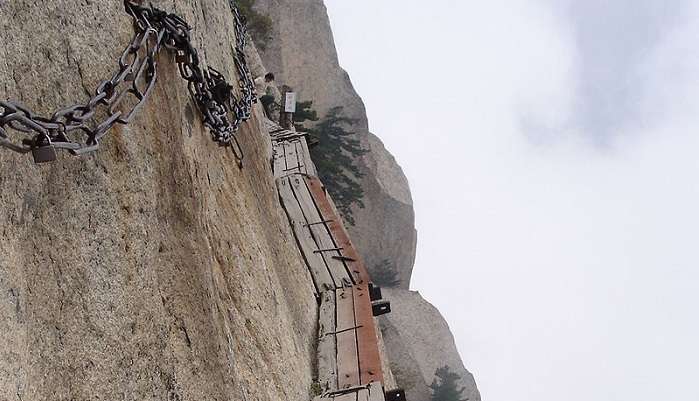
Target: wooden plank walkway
291,154
355,265
349,362
316,264
318,226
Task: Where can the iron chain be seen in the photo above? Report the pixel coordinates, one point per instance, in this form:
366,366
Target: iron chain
117,100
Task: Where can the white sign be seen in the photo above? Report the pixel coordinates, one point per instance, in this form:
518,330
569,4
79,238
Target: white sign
290,103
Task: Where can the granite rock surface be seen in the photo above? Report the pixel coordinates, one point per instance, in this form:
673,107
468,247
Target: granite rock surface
154,269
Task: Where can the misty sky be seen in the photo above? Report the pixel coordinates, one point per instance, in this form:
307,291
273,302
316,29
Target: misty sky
552,148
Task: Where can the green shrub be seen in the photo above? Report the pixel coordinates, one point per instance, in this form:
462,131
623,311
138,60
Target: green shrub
259,25
316,389
444,386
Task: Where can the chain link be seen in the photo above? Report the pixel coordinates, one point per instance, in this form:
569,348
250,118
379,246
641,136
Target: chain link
117,100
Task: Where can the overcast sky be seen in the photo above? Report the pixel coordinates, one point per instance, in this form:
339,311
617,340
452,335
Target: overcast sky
552,148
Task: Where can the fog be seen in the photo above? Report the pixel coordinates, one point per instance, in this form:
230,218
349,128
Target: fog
551,148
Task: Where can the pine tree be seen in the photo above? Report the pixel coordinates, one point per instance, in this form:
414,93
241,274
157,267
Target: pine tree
335,158
304,112
385,275
444,386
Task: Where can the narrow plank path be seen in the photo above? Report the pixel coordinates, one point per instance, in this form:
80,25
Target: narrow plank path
319,270
349,360
327,247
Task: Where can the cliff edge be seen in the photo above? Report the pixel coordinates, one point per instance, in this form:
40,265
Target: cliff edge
418,342
154,268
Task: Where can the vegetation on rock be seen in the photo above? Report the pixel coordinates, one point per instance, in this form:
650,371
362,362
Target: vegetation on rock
335,157
444,386
304,112
384,274
259,25
316,390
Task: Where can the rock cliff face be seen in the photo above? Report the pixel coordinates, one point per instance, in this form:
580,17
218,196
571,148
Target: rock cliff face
419,341
156,268
302,54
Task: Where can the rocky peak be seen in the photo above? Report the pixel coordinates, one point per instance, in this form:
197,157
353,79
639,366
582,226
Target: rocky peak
302,54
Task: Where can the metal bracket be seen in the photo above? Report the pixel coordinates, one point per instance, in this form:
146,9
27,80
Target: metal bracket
344,331
328,250
381,308
348,390
375,292
395,395
318,222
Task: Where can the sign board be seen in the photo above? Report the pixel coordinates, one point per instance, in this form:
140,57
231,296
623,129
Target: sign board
290,102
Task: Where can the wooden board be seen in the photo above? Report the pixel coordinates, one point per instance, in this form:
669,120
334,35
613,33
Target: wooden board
279,160
297,158
292,161
316,265
363,395
346,397
286,135
327,314
376,392
347,357
327,348
370,369
301,155
373,392
360,274
305,154
320,233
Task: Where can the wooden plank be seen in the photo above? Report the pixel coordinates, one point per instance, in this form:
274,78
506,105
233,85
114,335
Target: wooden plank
307,161
370,369
346,397
320,233
299,155
360,274
286,135
347,356
345,309
363,395
327,314
279,160
316,265
292,160
327,348
376,392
